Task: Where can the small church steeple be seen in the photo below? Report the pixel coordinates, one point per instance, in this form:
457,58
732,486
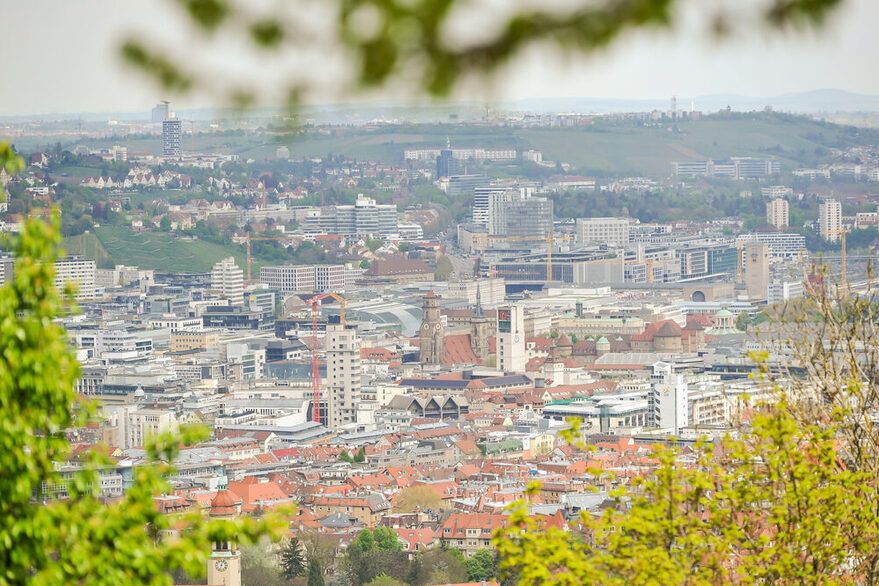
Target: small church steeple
477,311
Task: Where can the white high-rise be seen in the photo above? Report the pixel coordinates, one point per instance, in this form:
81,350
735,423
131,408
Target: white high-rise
343,375
830,220
668,398
228,280
79,272
511,339
778,213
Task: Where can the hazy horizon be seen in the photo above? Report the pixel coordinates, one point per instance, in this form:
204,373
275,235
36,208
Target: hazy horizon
78,70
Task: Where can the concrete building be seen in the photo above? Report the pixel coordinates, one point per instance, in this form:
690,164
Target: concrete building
79,272
667,400
778,213
343,375
172,134
612,231
757,270
830,220
228,280
511,355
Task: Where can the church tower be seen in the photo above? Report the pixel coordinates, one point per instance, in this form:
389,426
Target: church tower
432,335
224,565
480,329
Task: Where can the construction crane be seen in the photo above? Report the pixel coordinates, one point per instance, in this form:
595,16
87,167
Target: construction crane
253,238
842,232
315,365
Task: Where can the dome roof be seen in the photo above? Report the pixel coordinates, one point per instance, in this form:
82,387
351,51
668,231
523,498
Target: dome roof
724,313
225,503
602,340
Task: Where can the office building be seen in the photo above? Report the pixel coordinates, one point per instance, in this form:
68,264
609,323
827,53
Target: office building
78,272
160,112
364,218
778,213
610,231
781,244
667,400
511,339
289,278
830,220
172,133
757,270
343,375
237,317
228,280
464,185
446,163
732,168
304,278
528,217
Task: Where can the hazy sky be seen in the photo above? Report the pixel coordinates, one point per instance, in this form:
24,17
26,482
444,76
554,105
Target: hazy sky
61,56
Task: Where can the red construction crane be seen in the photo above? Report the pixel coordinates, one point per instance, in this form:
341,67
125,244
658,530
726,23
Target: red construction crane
315,366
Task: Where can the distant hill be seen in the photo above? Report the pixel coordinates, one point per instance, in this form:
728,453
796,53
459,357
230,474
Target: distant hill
812,102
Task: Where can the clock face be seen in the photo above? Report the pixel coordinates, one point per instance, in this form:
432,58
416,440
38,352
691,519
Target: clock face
221,565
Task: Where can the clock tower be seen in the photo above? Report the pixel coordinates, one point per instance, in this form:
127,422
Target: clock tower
224,565
432,334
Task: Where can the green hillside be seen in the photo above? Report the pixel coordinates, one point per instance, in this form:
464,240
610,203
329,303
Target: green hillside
649,150
161,251
90,246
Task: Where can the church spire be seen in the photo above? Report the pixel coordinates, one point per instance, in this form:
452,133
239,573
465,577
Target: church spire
477,311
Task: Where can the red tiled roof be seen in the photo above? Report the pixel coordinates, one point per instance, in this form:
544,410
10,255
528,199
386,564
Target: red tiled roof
457,350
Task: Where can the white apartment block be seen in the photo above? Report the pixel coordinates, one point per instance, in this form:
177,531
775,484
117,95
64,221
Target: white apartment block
228,280
343,375
613,231
830,220
778,213
79,272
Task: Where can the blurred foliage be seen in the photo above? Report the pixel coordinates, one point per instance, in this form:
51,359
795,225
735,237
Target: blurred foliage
415,41
773,506
55,527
